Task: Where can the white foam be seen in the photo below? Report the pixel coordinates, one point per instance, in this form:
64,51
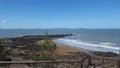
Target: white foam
108,46
107,43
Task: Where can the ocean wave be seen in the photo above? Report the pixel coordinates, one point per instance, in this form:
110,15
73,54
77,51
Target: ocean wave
106,47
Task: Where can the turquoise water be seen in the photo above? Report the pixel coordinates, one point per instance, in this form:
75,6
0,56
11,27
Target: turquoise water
90,39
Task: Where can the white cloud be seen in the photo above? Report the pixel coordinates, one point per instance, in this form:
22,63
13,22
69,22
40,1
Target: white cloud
4,21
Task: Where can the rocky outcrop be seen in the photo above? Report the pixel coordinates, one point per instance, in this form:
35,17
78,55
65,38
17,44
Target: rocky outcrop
105,54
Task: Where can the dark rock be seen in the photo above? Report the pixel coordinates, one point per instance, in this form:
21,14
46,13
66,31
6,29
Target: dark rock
105,54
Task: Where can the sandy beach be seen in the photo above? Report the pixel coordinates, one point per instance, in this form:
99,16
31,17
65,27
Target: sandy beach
62,49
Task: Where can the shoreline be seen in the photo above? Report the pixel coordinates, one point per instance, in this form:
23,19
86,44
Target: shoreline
110,53
67,48
94,54
40,37
62,49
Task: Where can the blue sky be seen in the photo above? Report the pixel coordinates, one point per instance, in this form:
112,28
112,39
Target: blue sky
59,14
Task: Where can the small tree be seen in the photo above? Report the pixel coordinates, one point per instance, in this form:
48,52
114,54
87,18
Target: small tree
48,47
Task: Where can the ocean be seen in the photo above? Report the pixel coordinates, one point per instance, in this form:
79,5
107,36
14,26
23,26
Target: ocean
105,40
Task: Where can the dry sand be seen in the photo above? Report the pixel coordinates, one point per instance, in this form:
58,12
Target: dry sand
62,49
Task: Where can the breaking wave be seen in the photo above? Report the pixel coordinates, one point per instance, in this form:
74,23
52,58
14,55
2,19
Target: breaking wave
104,47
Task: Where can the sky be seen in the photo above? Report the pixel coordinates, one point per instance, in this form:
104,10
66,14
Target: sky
28,14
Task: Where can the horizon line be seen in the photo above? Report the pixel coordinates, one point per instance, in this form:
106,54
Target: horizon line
59,28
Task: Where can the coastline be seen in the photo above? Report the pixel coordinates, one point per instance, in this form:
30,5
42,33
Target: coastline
62,49
66,48
26,45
